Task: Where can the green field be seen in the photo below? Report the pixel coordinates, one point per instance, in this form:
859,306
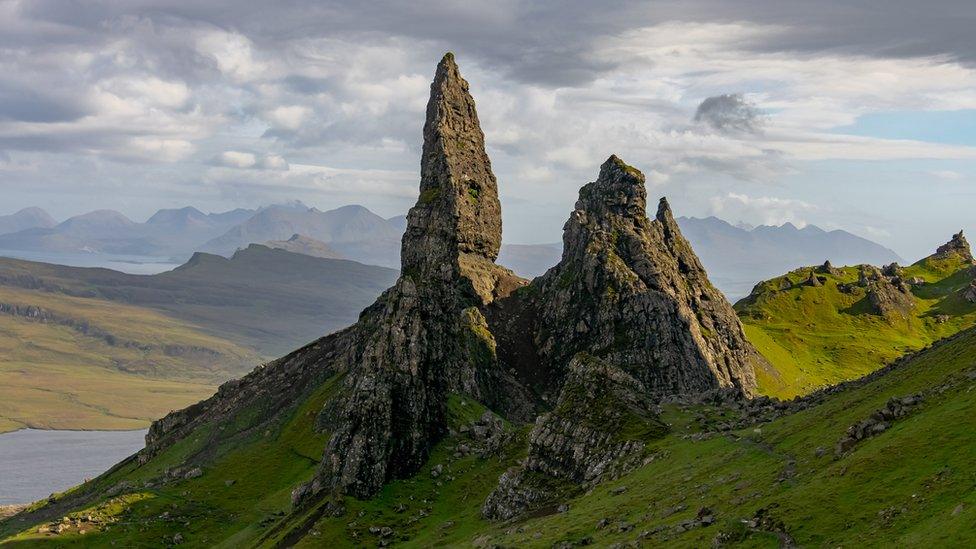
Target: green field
83,363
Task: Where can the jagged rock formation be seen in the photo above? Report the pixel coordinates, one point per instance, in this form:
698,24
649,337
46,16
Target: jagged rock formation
813,280
598,428
630,291
893,270
957,246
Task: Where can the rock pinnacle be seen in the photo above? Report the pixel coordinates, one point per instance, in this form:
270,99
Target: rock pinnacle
458,211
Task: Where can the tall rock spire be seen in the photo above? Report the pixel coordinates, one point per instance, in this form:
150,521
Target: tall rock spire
458,210
425,337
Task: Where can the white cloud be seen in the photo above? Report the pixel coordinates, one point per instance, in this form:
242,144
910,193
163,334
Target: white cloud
230,100
233,54
289,117
165,150
248,160
236,159
761,210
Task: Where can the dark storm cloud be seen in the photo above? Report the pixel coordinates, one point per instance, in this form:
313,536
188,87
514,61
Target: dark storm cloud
729,113
544,42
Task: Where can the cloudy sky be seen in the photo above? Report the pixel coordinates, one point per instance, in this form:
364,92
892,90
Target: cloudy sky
847,114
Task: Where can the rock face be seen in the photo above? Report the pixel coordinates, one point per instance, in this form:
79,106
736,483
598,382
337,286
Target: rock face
458,210
630,291
599,427
969,293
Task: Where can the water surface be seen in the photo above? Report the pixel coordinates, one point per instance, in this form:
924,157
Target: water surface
131,264
35,463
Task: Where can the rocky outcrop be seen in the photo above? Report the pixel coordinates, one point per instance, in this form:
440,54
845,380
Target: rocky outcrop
890,297
827,268
598,428
813,280
630,291
957,246
892,270
879,422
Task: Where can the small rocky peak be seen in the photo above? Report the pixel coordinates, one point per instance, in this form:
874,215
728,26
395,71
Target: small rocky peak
664,214
957,246
827,268
458,211
619,191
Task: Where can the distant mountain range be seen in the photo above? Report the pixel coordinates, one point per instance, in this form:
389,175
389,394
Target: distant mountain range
167,233
28,218
266,299
736,256
351,231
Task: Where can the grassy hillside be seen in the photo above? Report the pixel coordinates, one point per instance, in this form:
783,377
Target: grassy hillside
84,363
99,349
818,335
755,486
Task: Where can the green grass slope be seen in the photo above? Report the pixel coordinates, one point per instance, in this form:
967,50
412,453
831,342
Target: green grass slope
817,336
756,485
83,363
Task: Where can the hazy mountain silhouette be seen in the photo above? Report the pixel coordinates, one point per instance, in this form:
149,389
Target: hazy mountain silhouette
737,257
28,218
